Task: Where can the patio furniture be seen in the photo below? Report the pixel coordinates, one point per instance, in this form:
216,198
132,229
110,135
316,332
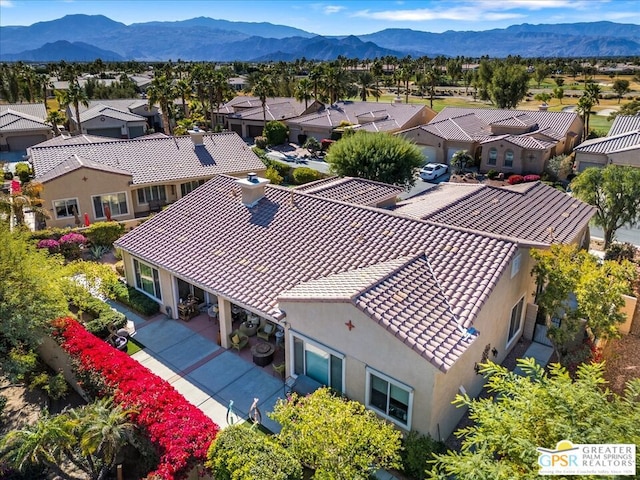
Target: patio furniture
238,340
212,311
249,327
279,369
262,353
279,336
266,331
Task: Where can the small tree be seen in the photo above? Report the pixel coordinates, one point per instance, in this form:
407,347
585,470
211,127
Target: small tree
537,410
460,160
313,145
615,192
273,176
242,453
621,87
339,438
276,132
558,93
559,167
376,156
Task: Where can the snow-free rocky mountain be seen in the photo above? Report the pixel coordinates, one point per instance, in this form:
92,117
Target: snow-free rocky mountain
96,36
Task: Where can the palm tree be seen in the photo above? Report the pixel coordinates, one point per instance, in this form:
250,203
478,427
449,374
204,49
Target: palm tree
162,91
377,72
13,204
590,97
74,95
336,82
460,160
183,89
315,77
55,118
303,91
366,86
263,89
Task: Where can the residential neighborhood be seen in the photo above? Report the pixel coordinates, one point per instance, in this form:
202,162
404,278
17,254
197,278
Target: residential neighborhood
252,268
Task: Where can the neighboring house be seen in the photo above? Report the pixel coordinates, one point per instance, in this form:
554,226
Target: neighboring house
134,177
23,125
509,141
392,311
123,118
244,115
354,190
621,146
239,84
371,116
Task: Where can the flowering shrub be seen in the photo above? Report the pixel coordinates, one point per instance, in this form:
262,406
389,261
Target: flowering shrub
52,245
514,179
531,178
70,245
180,432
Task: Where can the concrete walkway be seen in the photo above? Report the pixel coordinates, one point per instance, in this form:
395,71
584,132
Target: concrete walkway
541,353
207,375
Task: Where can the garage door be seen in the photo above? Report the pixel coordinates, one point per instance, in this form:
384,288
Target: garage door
255,130
24,142
135,132
430,154
105,132
235,127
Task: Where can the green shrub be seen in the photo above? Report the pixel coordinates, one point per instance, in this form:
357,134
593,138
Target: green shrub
304,175
54,233
417,451
55,386
104,233
312,144
21,364
133,298
492,174
98,251
3,404
103,315
242,453
24,172
276,132
283,169
273,176
261,143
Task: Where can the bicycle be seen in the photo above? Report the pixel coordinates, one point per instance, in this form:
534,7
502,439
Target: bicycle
255,416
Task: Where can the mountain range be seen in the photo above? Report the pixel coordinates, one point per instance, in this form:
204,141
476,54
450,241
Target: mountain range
86,37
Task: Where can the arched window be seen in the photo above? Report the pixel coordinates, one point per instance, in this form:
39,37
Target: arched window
508,159
493,156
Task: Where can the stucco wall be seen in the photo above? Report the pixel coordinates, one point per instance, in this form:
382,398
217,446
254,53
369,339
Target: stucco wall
166,284
82,184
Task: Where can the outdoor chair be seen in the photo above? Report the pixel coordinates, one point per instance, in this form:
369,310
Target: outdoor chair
279,369
266,331
238,340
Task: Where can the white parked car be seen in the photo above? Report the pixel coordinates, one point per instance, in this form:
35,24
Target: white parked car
431,171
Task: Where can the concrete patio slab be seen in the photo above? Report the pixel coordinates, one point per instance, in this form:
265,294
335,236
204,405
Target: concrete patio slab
162,334
220,372
266,406
541,353
216,411
155,365
253,383
191,392
189,351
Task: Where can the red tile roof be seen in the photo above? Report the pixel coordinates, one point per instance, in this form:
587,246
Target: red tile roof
254,255
352,190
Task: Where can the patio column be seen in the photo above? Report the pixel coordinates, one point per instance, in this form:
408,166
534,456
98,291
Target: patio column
226,321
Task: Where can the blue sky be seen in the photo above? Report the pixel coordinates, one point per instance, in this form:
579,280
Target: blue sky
336,17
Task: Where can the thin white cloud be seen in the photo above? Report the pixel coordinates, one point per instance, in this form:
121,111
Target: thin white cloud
536,4
6,3
427,14
331,9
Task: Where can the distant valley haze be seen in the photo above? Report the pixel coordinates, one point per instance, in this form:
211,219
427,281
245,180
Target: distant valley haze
116,30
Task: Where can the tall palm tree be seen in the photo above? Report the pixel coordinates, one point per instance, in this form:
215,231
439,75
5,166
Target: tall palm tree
263,88
590,97
377,72
74,95
315,77
303,91
162,91
183,89
336,81
366,86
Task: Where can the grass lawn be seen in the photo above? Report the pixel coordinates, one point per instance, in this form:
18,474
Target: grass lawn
133,346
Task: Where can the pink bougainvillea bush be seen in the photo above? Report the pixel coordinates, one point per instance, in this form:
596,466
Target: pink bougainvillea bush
531,178
515,179
180,431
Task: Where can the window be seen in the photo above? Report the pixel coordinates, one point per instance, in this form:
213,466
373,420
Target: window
515,266
147,279
392,399
516,320
117,203
493,156
65,208
152,194
508,159
189,187
318,362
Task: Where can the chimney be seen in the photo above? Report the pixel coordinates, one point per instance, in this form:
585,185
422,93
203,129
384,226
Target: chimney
196,136
543,107
252,189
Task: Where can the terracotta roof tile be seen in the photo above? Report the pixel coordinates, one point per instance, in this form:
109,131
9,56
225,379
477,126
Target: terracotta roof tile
157,159
11,120
296,243
35,110
352,190
75,162
533,212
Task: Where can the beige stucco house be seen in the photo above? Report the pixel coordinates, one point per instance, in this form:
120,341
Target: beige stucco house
371,116
23,125
121,118
508,141
392,308
85,174
621,146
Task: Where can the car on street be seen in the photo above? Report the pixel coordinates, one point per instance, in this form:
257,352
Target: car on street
431,171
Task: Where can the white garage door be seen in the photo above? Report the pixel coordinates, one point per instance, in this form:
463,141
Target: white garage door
24,141
429,154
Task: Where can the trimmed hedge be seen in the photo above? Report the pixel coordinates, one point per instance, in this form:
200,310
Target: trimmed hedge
104,233
103,316
304,175
131,297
